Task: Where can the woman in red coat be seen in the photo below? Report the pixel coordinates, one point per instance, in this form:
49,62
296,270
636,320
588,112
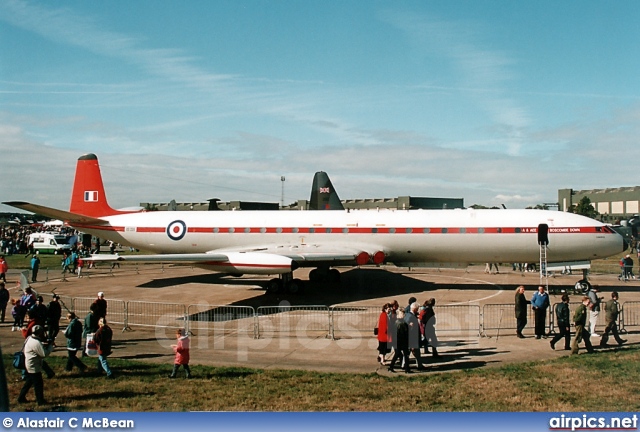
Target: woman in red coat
384,338
182,353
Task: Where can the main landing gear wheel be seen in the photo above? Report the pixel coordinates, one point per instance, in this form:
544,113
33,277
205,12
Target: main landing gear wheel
333,276
295,286
324,275
274,286
582,287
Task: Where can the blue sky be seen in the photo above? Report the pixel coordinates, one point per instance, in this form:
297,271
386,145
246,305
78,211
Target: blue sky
491,101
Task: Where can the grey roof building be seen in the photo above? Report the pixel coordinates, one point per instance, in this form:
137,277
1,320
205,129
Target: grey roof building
611,203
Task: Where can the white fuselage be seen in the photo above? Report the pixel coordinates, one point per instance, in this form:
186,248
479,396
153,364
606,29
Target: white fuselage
405,236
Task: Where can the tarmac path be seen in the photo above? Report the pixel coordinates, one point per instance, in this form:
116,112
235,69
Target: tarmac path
310,350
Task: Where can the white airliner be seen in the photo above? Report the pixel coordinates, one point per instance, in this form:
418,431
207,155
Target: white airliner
278,242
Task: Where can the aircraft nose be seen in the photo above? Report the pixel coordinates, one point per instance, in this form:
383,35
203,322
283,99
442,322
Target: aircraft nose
625,244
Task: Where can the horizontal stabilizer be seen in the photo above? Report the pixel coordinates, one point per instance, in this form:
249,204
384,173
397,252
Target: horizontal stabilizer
569,265
68,217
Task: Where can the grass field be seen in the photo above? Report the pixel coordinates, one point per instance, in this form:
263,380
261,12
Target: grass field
605,381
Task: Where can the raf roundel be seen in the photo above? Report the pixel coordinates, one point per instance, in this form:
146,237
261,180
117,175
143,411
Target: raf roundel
176,230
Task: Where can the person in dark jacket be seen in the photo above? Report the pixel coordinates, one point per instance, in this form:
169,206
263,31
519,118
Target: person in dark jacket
4,301
582,333
612,310
54,312
90,324
74,343
564,324
428,321
400,342
39,311
414,333
522,308
103,338
100,306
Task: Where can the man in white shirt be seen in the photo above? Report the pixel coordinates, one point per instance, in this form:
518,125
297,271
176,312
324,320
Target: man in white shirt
34,352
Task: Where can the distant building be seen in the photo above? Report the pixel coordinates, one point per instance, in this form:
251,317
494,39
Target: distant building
210,205
400,203
612,203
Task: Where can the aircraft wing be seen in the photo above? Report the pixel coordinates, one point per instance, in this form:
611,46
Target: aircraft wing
166,258
71,218
266,254
315,254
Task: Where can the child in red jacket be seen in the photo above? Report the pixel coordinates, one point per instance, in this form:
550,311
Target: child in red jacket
182,353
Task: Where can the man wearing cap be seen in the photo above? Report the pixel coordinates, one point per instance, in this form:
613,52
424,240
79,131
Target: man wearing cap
612,308
100,306
580,321
34,352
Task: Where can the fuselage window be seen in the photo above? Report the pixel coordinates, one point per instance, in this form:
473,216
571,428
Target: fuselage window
328,230
499,230
278,230
216,230
445,230
231,230
247,230
312,230
426,230
374,230
263,230
463,230
480,230
345,230
408,230
295,230
518,230
392,230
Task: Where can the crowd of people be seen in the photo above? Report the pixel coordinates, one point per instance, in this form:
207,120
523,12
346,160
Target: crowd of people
92,337
585,318
405,331
402,333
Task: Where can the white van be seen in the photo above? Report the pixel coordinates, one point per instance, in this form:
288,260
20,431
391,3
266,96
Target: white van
49,243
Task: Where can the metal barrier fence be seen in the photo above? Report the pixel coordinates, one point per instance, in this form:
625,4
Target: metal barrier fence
221,320
356,321
301,321
630,314
501,317
459,319
149,314
116,310
352,321
336,322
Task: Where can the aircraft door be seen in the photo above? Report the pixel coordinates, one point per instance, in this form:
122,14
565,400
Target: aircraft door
543,234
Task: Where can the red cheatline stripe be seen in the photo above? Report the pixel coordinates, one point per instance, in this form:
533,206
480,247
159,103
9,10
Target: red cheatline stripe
357,230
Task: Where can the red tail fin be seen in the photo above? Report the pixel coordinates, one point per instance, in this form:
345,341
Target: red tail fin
88,197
